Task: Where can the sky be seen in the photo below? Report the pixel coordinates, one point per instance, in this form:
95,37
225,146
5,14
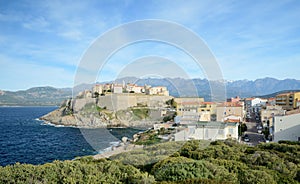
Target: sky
42,43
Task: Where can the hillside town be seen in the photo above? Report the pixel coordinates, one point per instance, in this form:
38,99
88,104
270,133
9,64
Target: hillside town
249,120
111,88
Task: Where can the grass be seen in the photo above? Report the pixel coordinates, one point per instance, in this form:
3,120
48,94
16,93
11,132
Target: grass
140,113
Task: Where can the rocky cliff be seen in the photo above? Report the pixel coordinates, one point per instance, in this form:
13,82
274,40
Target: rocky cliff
92,113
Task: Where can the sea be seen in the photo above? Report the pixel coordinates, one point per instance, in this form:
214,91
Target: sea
26,139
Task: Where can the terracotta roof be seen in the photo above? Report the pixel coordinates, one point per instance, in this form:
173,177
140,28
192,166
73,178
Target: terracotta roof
207,102
232,120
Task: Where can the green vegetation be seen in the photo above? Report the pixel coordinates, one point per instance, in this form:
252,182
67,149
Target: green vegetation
84,170
100,109
173,162
148,137
266,132
90,108
146,157
170,117
96,94
171,103
140,113
242,128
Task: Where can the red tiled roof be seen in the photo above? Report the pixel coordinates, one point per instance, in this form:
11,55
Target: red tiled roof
232,120
207,102
189,103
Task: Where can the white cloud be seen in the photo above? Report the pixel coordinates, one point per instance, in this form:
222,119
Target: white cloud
37,24
72,35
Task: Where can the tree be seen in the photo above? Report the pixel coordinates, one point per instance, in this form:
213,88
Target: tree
96,94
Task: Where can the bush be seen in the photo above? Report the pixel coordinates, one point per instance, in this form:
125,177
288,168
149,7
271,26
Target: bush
85,170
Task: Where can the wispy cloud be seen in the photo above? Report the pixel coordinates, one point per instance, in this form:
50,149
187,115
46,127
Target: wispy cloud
37,24
244,36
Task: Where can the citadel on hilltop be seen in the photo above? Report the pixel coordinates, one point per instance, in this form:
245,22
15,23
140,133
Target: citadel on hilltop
111,88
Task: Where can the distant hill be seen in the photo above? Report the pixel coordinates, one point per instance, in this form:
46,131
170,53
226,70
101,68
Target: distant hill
35,96
266,87
201,87
277,93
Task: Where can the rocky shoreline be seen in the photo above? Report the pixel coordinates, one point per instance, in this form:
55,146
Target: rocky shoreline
91,120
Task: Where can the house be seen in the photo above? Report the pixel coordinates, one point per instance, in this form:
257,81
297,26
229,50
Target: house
210,107
187,105
159,90
234,100
253,105
189,109
271,101
287,127
107,87
138,89
133,88
288,101
229,109
207,131
267,114
117,88
98,88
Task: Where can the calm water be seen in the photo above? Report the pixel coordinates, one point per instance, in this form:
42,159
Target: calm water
25,139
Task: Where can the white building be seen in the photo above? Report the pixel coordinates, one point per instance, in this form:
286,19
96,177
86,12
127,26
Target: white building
287,127
252,104
134,88
98,88
117,89
159,90
208,131
267,114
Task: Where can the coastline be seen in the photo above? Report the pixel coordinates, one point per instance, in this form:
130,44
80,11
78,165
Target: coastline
30,106
107,152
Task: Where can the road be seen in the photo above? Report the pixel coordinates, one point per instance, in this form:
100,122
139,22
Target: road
255,138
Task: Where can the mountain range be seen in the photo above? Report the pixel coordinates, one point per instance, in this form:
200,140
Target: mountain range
266,87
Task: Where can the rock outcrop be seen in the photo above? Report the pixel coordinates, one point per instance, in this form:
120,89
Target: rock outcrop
87,113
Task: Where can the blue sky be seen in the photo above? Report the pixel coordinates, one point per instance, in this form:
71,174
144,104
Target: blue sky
42,42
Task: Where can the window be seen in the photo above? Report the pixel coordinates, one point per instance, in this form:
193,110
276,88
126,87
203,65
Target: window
231,130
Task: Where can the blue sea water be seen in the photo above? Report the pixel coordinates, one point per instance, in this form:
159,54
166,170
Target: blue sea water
25,139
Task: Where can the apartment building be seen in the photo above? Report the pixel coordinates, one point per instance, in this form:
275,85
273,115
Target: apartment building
288,101
229,110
